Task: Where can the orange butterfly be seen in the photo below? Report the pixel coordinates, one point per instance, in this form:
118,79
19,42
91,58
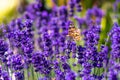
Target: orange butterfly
74,32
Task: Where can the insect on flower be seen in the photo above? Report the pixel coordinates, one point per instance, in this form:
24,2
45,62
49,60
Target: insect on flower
74,32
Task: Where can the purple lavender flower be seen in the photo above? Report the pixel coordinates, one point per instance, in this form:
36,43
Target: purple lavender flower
17,62
113,72
5,75
94,15
92,36
103,56
86,71
115,39
71,11
40,63
59,75
70,46
63,13
54,11
115,42
56,64
70,75
19,75
80,54
47,44
3,47
74,49
78,6
33,10
21,37
3,50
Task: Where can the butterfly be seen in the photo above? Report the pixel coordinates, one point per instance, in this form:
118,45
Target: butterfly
74,32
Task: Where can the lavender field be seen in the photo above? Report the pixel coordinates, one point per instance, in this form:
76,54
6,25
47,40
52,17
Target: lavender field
61,40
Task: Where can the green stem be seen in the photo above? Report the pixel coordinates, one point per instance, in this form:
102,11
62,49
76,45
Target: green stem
93,71
99,71
37,75
32,72
107,41
28,74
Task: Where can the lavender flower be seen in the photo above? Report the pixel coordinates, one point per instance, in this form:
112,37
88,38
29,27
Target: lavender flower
19,76
17,62
114,69
59,74
40,63
5,75
3,51
47,44
80,54
113,72
115,41
63,13
70,75
3,47
103,56
71,11
35,9
92,36
78,6
94,15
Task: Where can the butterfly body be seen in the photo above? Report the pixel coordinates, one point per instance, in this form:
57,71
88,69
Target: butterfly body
74,32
